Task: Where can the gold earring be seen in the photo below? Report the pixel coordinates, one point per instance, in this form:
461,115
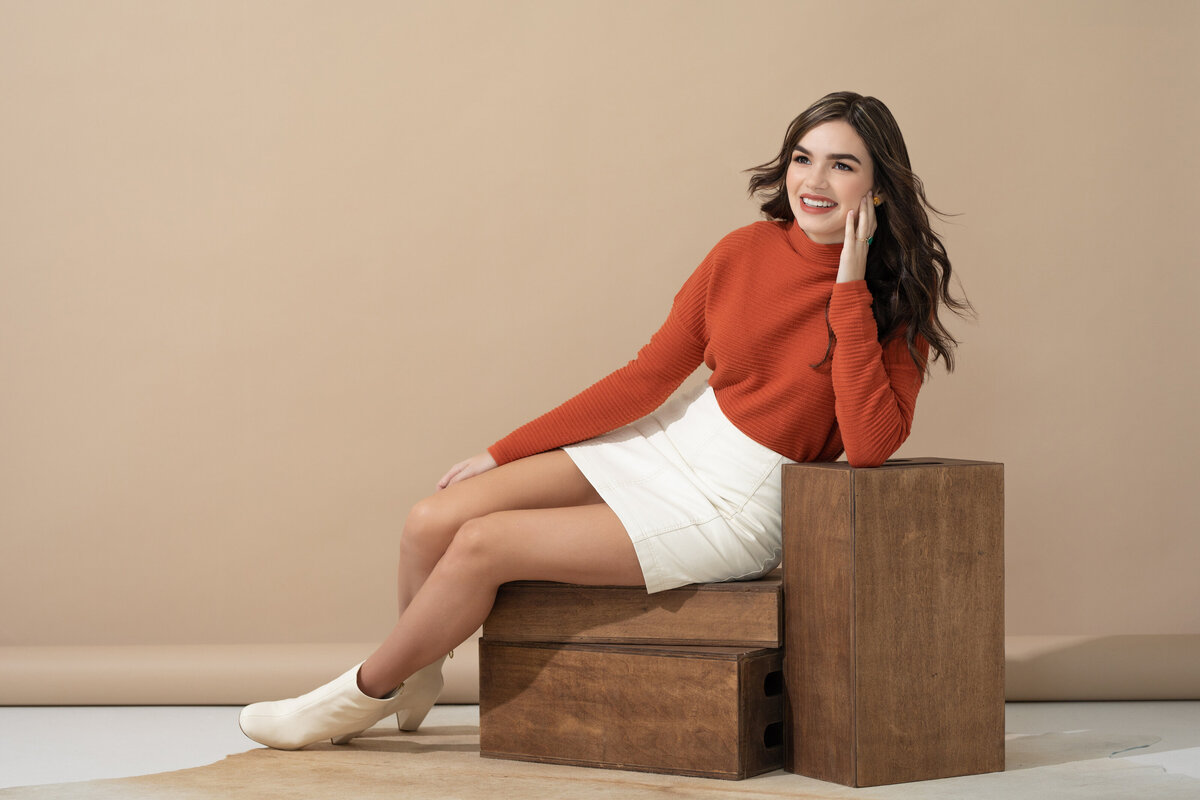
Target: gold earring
877,200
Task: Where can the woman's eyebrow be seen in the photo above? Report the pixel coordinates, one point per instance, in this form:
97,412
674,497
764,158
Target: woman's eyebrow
833,156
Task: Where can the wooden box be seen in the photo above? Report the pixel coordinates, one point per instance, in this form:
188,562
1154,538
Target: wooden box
894,620
707,711
741,613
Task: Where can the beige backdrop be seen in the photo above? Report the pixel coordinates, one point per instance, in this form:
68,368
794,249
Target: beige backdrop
267,269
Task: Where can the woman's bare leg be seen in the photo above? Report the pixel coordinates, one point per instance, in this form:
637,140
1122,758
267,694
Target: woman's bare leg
580,544
475,547
546,480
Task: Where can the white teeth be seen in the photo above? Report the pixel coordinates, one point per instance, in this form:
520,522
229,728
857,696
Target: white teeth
818,203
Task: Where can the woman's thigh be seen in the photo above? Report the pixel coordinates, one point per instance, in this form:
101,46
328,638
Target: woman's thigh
545,480
578,544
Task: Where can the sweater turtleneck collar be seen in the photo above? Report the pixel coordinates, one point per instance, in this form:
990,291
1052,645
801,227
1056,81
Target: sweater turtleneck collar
826,255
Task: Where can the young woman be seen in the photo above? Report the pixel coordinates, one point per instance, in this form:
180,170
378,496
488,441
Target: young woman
817,326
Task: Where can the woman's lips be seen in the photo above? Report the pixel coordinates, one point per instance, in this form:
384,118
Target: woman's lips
822,205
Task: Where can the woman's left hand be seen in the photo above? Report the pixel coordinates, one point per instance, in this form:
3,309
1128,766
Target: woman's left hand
468,469
860,226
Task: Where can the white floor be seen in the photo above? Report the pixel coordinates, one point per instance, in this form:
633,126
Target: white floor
113,742
119,742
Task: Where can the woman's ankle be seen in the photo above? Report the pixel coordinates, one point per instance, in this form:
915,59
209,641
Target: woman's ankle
380,690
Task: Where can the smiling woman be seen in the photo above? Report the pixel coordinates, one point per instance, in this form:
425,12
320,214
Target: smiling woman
828,180
618,486
843,175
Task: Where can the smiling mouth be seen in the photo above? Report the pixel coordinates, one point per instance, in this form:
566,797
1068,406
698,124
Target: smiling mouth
817,203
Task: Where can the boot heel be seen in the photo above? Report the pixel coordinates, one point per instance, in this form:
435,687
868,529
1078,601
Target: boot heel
346,739
409,719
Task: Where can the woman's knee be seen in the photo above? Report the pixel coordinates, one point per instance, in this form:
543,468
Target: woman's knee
428,530
476,547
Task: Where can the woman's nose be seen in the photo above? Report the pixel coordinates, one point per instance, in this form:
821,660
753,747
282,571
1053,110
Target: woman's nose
817,179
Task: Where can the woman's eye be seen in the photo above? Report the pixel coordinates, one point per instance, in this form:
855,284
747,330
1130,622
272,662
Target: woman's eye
801,159
841,165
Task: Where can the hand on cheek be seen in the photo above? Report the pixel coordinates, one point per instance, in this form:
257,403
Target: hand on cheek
860,227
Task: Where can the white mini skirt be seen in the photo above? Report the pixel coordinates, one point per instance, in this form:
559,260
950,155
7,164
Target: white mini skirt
699,498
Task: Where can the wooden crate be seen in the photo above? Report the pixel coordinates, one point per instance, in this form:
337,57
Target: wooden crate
894,620
739,613
706,711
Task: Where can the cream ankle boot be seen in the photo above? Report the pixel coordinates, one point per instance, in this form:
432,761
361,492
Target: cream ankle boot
412,701
418,694
328,712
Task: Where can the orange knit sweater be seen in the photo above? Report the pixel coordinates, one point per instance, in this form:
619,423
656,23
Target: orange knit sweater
754,312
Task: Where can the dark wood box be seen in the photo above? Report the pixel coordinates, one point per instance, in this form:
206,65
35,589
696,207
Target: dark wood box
894,620
706,711
739,613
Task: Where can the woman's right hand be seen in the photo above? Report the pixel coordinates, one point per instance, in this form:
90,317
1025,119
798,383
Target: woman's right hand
468,469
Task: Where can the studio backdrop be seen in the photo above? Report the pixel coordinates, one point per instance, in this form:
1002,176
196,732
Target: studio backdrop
268,269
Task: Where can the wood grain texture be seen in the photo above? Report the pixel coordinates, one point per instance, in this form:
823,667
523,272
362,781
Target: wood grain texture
684,710
819,623
761,724
740,613
921,544
929,621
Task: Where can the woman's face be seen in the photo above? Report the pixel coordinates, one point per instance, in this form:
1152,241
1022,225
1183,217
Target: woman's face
829,175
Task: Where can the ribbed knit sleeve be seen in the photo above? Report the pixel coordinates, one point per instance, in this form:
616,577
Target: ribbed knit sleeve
629,393
755,312
875,387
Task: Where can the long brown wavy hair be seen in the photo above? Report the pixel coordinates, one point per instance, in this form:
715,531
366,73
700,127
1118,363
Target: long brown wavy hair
908,271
